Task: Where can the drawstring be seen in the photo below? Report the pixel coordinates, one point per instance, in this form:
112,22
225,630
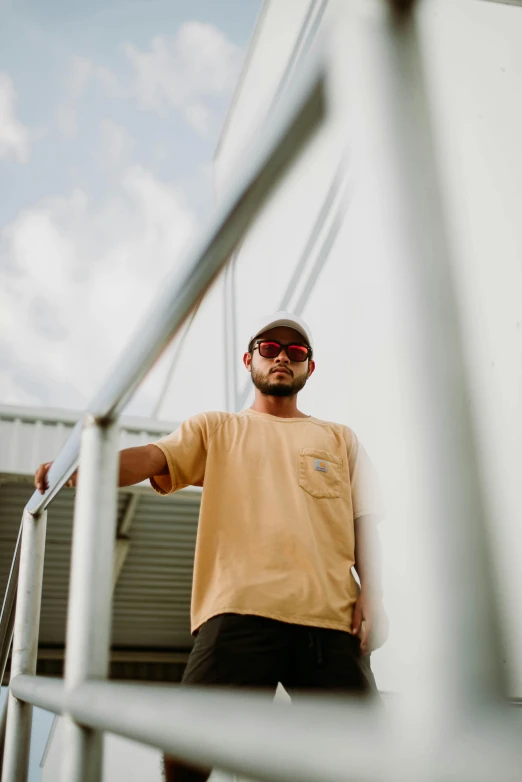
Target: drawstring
314,642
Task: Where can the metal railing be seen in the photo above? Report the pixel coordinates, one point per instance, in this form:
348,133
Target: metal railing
459,682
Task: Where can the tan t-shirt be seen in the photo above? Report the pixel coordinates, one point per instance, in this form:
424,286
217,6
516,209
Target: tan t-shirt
276,527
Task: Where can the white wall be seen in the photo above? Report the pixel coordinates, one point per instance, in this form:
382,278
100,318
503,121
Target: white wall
473,63
277,30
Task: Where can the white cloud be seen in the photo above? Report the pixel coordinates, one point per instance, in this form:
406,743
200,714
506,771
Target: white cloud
14,136
82,72
193,72
77,276
115,145
188,72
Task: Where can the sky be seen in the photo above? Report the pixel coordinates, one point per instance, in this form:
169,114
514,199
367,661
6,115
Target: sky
109,118
109,121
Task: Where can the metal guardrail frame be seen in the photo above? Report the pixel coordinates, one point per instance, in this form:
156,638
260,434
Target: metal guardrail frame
317,739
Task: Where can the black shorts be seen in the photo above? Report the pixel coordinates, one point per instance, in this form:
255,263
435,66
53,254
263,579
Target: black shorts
234,650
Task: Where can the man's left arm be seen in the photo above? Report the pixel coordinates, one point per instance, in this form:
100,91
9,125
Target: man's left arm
369,614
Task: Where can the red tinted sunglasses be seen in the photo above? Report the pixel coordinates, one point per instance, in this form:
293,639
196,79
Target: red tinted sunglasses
269,348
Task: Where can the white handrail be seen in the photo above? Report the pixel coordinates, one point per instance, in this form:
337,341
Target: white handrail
268,158
318,738
271,153
266,161
25,646
505,2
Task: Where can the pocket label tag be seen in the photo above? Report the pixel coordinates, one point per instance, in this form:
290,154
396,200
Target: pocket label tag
321,465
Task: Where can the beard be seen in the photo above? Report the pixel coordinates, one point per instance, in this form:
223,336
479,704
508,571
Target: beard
274,388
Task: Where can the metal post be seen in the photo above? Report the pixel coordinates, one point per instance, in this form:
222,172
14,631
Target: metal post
457,666
25,645
176,355
8,606
7,641
89,613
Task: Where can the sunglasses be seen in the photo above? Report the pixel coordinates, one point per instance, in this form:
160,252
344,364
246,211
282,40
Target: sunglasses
271,349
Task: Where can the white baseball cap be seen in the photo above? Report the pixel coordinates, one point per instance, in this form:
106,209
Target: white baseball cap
283,319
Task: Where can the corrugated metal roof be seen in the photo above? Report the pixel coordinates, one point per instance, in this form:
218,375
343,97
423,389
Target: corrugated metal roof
151,605
30,436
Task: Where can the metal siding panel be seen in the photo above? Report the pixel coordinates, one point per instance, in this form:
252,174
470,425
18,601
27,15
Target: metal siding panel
25,436
7,433
26,444
29,437
152,597
134,439
57,566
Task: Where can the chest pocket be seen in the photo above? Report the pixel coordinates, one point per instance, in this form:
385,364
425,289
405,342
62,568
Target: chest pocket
320,473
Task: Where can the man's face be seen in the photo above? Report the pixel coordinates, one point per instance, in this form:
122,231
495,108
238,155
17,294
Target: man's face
279,376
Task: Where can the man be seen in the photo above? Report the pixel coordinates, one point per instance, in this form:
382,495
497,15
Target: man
289,507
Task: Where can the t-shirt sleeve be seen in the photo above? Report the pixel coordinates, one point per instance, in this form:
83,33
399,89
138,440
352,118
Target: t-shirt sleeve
185,450
366,491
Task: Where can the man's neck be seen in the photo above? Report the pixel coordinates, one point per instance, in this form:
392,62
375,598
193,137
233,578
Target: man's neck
280,406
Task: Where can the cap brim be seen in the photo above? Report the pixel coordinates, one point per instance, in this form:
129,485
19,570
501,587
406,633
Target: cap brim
291,324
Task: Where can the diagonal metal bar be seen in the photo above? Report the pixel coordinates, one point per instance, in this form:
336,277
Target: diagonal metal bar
61,470
304,40
322,257
272,151
315,233
173,364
